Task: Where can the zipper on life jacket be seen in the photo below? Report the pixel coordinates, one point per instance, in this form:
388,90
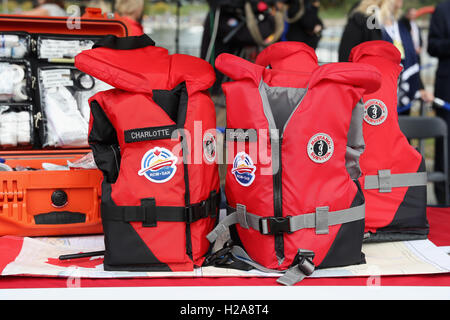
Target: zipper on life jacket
277,201
276,140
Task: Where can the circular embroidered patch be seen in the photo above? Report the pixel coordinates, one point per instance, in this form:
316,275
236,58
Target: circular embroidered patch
320,148
375,112
158,165
243,169
209,147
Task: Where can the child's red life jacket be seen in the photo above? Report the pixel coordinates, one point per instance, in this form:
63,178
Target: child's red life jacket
289,193
394,174
153,136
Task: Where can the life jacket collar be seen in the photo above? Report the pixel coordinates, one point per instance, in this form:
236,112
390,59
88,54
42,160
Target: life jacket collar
286,55
360,75
135,65
377,48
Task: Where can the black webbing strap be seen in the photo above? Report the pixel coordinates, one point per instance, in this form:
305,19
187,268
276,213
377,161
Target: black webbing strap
124,43
149,214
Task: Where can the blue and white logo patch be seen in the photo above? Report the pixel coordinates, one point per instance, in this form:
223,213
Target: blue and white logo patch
243,169
158,165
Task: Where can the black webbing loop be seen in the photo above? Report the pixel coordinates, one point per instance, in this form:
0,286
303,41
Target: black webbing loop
149,206
149,213
203,209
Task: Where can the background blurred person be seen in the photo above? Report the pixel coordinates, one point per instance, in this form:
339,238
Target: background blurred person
53,8
308,28
398,33
409,20
132,11
362,25
439,46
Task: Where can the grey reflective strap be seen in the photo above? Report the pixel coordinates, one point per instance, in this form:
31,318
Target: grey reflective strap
240,254
241,216
320,220
222,227
385,181
297,273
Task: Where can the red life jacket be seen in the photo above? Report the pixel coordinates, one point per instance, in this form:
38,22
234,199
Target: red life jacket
394,174
288,190
153,136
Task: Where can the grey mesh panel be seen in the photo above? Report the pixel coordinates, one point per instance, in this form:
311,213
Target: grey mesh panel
355,142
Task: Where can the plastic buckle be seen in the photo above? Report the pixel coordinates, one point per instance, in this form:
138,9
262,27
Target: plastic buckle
305,263
196,212
219,256
214,203
274,225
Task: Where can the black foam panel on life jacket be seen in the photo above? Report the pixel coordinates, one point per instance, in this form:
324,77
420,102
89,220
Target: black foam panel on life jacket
347,245
123,244
410,221
412,212
104,143
173,102
124,43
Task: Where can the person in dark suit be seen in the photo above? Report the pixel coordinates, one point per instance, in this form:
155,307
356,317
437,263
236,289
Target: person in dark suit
398,32
439,46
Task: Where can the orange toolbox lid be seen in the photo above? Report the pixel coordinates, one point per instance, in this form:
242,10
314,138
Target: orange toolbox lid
93,22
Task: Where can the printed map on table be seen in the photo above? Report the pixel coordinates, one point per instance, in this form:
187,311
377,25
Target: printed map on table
39,257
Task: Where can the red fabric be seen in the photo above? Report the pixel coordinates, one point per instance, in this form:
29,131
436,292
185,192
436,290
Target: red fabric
439,220
285,56
9,248
42,282
134,27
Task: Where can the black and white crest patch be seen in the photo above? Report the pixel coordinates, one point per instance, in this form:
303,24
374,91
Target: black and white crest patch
320,148
375,112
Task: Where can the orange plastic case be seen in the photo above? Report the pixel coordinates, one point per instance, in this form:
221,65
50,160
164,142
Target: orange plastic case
46,203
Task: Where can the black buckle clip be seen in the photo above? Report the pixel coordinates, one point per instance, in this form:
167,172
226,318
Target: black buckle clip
214,203
219,257
203,209
275,225
305,261
196,211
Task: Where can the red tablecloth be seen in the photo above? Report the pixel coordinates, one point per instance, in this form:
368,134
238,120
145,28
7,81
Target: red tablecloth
439,219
